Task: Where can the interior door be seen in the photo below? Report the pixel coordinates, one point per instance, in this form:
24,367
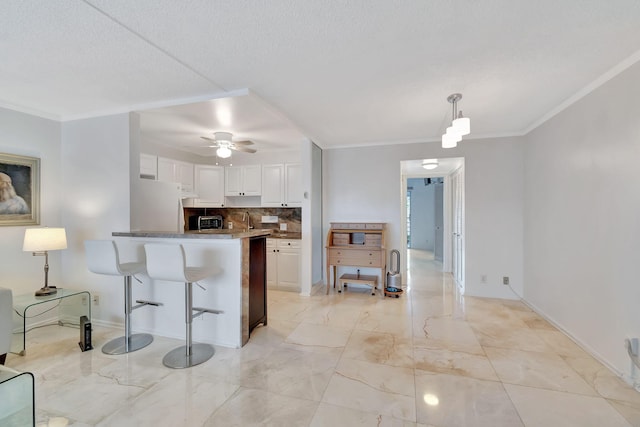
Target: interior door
457,184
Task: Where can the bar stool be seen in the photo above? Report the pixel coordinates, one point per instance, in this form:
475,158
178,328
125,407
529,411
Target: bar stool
103,258
168,262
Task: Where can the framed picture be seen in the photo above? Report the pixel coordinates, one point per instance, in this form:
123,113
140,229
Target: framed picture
19,190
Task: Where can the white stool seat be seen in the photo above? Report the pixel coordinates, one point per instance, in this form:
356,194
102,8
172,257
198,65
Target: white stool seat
168,262
131,268
195,274
103,258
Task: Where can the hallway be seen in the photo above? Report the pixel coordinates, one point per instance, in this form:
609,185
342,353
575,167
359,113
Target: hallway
428,358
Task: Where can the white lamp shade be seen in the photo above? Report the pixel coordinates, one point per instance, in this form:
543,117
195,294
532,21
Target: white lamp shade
448,141
462,126
453,133
430,164
450,138
44,239
223,152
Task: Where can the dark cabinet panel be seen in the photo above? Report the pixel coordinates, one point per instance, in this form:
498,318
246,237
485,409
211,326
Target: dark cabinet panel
257,282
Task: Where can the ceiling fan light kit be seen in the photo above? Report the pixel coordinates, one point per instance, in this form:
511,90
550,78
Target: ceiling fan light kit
223,152
223,136
224,144
460,125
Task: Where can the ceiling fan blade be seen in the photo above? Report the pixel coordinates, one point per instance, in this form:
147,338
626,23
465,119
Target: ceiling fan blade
208,139
243,142
245,149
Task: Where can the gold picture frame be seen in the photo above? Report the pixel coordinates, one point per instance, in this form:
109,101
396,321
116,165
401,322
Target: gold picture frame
19,190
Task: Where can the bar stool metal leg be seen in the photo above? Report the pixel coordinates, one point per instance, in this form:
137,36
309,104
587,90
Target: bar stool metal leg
129,342
189,354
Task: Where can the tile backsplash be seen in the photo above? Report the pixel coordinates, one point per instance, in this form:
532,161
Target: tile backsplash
290,216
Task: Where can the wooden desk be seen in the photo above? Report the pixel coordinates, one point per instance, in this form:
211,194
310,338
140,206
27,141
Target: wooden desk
359,244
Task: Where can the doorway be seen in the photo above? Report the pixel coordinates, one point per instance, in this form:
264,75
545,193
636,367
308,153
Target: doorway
425,216
432,214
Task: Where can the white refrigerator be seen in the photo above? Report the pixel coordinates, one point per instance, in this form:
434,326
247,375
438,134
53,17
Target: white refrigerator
156,206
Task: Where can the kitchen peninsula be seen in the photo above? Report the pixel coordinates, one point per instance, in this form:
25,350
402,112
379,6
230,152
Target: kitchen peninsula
239,288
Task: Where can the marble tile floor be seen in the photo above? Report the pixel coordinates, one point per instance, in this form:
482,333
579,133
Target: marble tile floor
429,358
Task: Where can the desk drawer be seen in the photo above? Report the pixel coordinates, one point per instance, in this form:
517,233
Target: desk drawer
373,258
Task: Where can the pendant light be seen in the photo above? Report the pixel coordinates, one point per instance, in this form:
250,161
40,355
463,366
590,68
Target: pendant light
460,125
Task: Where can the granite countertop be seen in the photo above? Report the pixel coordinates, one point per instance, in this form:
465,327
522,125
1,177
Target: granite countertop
202,234
212,234
285,235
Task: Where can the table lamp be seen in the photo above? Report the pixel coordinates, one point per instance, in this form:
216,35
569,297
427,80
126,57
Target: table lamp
40,241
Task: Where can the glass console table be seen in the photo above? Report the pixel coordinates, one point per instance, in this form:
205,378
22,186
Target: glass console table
17,406
71,304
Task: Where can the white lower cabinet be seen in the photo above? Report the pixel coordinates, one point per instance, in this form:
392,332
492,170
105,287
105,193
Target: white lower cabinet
283,264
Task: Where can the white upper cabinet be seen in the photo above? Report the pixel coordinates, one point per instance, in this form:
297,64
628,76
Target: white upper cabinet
166,170
282,185
243,180
171,170
293,193
184,174
148,166
272,185
209,185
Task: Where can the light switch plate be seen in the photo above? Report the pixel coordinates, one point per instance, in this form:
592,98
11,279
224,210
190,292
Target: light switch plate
283,226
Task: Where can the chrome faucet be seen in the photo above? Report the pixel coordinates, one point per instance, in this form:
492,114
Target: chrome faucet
247,217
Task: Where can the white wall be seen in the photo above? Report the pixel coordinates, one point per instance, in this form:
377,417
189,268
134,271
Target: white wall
582,210
364,184
27,135
95,175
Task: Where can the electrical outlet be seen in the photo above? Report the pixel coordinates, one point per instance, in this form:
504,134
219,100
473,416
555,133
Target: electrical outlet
483,278
96,299
505,280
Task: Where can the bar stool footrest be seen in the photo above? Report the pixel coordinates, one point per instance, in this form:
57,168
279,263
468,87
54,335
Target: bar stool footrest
145,302
207,310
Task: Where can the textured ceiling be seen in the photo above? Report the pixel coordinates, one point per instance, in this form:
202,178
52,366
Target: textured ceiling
341,73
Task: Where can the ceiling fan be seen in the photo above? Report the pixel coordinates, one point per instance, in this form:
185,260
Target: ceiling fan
224,143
